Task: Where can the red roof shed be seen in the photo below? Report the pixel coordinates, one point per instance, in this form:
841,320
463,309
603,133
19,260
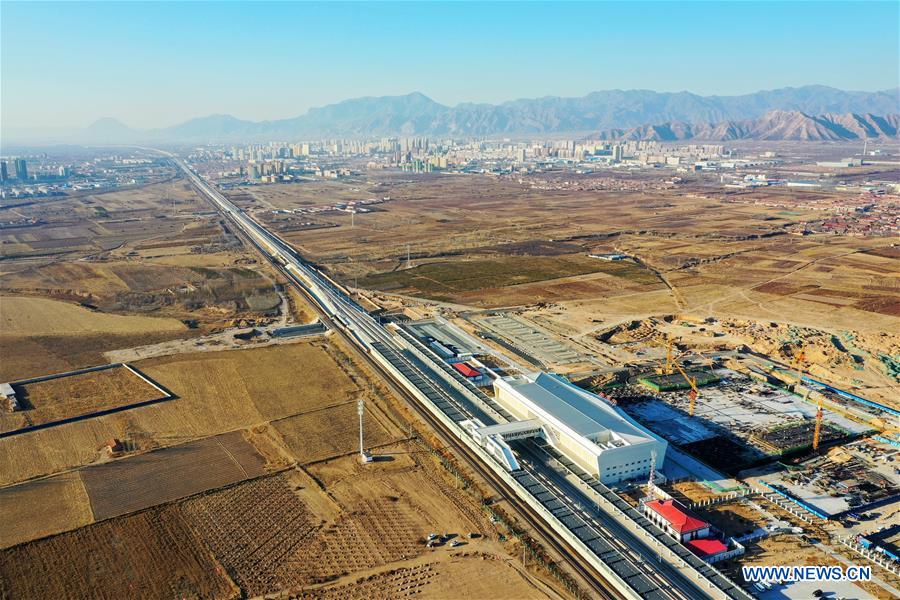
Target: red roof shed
706,547
466,370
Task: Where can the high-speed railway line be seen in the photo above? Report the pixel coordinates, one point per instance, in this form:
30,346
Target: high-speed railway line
611,565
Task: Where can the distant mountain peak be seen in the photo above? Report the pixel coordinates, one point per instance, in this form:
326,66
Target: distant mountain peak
107,123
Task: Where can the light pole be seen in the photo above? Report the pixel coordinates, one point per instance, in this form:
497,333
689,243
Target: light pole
361,409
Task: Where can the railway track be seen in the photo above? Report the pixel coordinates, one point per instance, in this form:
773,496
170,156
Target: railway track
597,585
435,405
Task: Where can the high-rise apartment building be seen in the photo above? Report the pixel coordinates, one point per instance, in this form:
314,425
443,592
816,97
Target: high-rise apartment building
21,169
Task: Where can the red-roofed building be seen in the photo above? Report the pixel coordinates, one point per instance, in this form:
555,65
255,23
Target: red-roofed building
466,370
472,373
707,548
676,520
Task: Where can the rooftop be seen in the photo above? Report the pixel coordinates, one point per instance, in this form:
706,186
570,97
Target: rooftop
706,547
582,411
680,518
466,370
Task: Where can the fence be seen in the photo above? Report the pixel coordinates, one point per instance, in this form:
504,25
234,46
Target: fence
797,501
721,499
873,555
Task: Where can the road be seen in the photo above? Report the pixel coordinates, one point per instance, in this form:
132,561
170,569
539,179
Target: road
628,556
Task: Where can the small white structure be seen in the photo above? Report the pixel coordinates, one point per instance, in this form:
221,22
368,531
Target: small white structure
10,401
597,436
610,256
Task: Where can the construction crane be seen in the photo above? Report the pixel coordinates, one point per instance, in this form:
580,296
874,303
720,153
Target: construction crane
695,391
671,366
669,361
818,430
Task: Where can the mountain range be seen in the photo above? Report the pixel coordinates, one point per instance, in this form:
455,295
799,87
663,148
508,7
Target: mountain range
774,125
809,112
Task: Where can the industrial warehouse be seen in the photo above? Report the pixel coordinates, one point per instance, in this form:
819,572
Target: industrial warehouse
595,435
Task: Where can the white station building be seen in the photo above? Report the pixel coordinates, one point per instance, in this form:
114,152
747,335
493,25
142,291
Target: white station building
592,433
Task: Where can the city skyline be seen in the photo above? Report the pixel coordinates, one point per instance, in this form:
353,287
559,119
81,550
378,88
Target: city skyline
196,59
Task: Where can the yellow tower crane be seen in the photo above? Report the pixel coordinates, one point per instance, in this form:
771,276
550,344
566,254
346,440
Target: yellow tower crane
666,369
695,391
671,366
817,431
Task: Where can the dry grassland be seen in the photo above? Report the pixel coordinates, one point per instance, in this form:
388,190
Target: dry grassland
43,507
23,316
24,357
330,432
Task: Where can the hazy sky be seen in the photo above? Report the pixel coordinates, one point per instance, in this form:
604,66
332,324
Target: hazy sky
157,64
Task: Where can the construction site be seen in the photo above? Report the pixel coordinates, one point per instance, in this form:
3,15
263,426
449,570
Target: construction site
729,419
846,483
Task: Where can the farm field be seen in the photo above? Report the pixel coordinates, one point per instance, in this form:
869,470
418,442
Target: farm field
285,532
503,243
298,195
203,290
153,554
259,531
62,398
117,269
84,225
332,431
482,281
142,481
406,487
43,507
34,317
460,575
27,356
216,392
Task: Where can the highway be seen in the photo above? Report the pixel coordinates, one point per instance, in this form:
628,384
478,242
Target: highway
633,567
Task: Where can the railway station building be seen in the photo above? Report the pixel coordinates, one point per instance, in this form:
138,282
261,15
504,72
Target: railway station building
594,434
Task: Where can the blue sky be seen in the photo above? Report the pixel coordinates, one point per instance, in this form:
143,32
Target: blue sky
156,64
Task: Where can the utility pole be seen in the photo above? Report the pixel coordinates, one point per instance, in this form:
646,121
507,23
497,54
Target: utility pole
408,263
